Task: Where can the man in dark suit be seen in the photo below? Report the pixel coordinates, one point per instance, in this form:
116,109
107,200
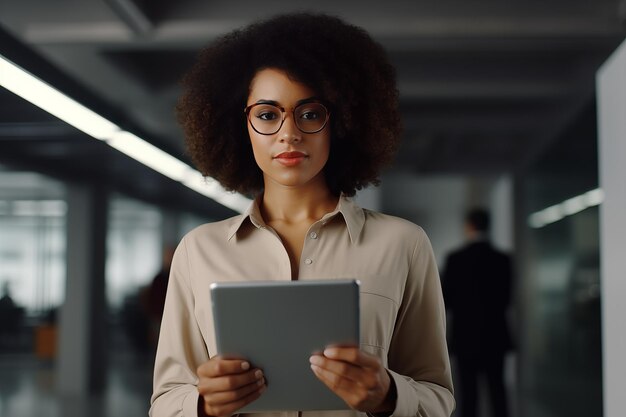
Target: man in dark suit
477,291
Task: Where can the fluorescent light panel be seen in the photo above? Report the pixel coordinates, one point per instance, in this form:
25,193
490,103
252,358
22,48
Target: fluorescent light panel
151,156
46,97
209,186
566,208
53,101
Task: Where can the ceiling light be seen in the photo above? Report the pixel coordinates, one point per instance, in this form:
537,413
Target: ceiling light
27,86
594,197
211,188
566,208
30,88
150,155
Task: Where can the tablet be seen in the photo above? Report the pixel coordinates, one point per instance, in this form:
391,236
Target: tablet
277,325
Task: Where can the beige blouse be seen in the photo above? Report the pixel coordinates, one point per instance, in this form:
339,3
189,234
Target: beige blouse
402,311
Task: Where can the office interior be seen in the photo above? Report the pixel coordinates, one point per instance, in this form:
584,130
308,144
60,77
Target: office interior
501,108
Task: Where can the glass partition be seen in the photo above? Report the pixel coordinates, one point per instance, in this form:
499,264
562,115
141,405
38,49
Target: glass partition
560,338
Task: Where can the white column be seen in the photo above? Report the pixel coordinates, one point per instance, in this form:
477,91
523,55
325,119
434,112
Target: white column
611,82
82,360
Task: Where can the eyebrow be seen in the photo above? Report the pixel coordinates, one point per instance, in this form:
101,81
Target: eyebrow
299,102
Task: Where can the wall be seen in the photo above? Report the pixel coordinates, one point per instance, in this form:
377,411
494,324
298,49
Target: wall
611,82
439,203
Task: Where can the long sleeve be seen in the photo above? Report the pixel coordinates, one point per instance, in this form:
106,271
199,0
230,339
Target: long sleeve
181,347
418,355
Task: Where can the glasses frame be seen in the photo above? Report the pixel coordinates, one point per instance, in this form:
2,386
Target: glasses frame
284,116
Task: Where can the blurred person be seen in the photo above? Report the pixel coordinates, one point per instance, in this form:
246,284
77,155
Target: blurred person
156,291
11,316
158,286
301,110
477,292
142,310
6,301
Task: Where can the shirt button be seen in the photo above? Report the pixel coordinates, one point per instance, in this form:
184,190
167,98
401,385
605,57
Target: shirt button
308,261
313,235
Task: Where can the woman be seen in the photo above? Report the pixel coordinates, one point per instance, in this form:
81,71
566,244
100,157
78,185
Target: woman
301,111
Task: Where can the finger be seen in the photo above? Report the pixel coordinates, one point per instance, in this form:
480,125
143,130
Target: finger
355,395
357,374
332,380
225,397
232,407
218,366
228,382
353,355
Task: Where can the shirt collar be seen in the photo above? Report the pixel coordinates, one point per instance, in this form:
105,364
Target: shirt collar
351,213
253,213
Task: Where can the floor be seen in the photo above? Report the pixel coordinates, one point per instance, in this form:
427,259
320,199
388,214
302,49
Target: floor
27,389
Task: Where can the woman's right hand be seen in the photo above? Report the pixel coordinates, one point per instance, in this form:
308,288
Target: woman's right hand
226,385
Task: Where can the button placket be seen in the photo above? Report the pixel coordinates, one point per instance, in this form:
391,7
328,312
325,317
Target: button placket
308,250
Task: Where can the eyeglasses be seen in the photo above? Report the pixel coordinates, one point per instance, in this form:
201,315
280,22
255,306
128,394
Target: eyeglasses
267,119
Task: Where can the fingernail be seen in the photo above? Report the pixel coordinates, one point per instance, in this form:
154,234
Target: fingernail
329,352
314,368
316,360
261,382
245,366
258,374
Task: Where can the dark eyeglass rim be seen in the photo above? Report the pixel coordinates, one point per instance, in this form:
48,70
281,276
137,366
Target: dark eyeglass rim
247,109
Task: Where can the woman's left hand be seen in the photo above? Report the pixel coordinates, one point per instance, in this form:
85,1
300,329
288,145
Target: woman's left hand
357,377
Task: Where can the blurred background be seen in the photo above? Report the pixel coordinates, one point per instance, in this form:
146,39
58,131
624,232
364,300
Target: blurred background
500,110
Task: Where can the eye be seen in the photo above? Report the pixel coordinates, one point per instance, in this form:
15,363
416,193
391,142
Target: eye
267,115
310,114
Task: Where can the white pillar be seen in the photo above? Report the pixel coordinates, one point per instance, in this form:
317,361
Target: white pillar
82,360
611,82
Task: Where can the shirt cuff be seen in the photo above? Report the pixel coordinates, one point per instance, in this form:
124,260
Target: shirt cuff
190,404
406,402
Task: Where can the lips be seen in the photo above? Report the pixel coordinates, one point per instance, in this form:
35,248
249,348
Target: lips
290,158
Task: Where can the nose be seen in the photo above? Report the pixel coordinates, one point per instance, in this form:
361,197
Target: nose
289,132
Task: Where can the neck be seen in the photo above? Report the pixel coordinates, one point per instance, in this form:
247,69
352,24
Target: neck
296,204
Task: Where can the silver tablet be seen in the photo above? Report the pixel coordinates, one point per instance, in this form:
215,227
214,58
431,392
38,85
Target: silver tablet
277,325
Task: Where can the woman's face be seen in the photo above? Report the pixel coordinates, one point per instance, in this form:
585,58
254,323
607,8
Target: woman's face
289,157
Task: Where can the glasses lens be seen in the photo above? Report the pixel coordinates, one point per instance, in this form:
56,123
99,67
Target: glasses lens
310,117
265,118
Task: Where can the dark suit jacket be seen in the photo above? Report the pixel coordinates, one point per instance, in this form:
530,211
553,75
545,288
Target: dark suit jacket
477,292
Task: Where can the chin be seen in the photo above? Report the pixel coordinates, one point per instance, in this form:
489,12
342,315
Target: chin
291,180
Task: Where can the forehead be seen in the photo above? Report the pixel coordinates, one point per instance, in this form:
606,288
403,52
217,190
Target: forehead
275,84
